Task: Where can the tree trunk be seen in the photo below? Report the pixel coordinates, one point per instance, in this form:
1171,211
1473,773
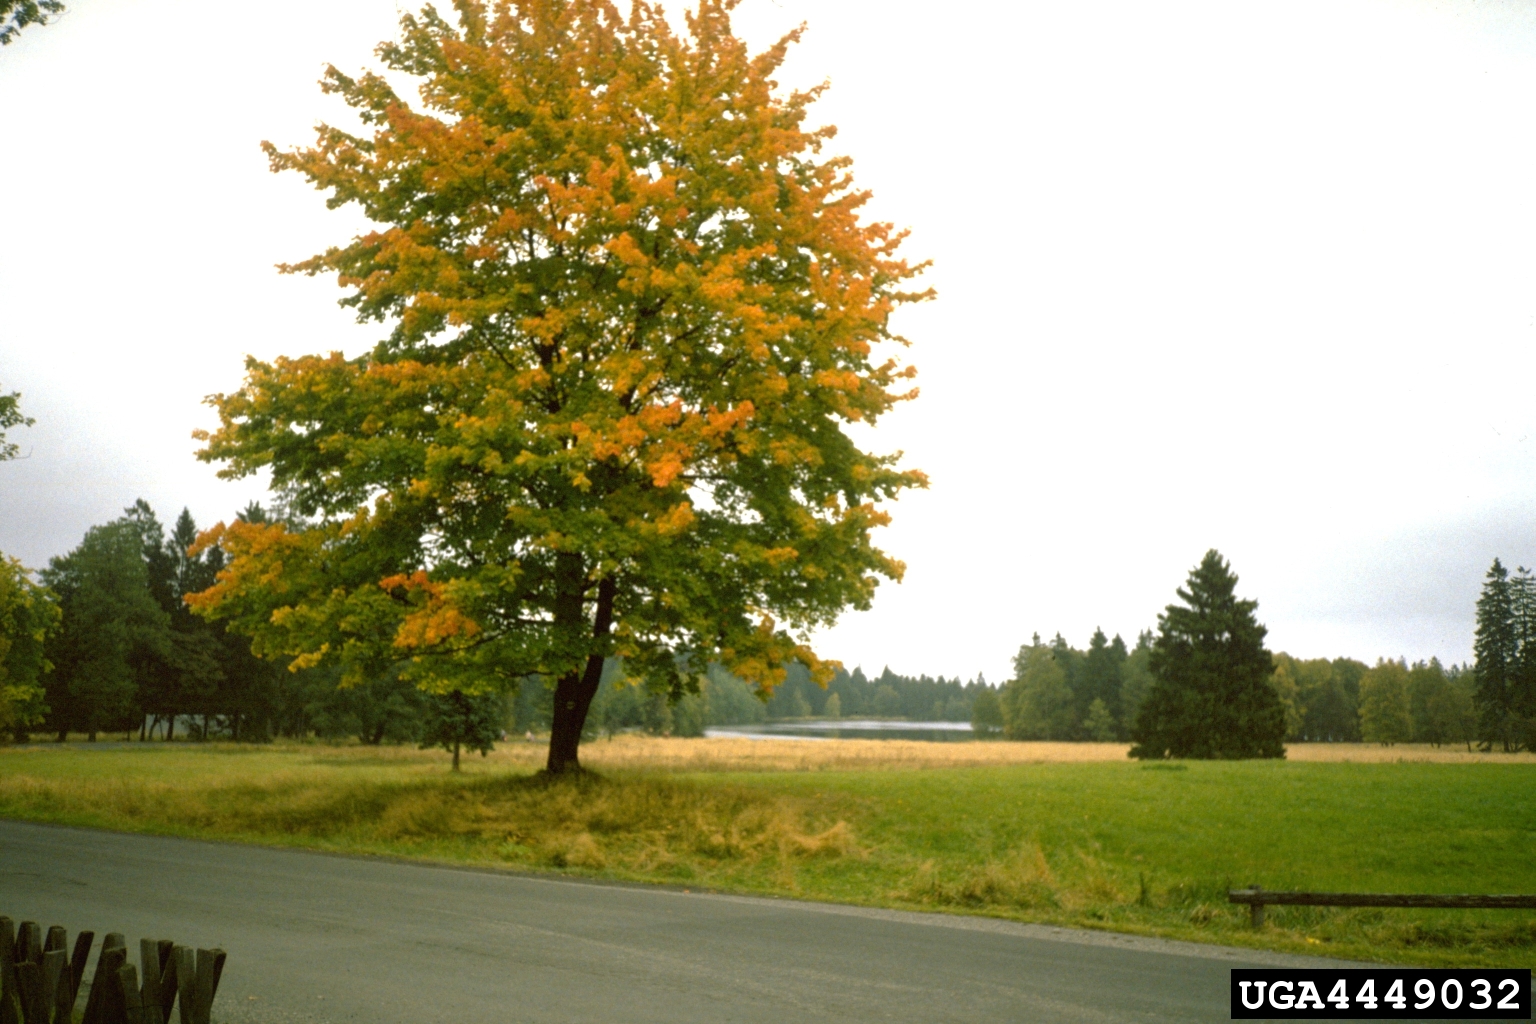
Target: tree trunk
575,690
170,727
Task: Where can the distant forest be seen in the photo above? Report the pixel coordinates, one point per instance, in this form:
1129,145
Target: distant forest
101,642
1061,693
724,700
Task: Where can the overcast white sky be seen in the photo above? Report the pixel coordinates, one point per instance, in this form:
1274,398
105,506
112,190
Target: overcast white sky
1259,276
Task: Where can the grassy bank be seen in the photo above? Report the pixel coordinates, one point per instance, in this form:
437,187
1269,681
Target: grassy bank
1087,842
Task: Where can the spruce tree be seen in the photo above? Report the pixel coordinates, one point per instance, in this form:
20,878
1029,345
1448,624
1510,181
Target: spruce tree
1211,695
1099,680
1522,683
1497,649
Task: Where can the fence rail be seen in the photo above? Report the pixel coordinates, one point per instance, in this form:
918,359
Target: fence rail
1257,898
40,980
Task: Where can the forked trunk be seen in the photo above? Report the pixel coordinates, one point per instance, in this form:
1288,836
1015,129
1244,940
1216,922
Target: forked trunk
573,699
574,692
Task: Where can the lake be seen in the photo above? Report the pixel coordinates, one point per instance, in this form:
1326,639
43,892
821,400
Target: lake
846,729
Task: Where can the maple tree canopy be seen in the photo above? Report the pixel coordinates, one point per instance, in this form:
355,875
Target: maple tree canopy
632,312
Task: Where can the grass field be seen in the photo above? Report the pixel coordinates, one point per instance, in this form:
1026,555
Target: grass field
1061,833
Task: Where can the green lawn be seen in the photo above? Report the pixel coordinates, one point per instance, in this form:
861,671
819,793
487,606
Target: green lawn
1150,849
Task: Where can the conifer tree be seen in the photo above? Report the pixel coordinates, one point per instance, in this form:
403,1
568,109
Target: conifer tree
1497,648
1522,683
1211,695
1098,679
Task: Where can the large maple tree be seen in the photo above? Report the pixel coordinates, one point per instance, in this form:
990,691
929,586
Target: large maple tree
633,312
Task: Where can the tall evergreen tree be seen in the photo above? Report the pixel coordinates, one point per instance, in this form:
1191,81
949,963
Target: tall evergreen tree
1098,679
1211,695
1497,649
1522,683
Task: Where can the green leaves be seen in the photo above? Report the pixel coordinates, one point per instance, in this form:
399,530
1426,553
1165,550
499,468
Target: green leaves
10,416
16,15
632,311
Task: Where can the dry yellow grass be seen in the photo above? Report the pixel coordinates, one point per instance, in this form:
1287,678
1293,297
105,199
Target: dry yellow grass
831,755
632,751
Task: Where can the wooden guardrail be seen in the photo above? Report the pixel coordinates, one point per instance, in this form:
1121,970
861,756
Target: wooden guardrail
40,978
1257,898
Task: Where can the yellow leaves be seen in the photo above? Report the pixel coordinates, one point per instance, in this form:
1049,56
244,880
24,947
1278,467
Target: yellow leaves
435,618
632,306
256,551
839,380
309,659
780,557
676,519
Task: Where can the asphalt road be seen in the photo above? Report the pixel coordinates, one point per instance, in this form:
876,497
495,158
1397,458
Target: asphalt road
320,938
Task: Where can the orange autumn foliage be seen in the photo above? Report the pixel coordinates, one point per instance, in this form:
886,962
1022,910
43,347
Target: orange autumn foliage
632,307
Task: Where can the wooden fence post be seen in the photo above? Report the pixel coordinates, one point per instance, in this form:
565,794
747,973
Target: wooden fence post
185,958
64,994
1256,908
55,962
29,943
9,1008
102,1006
29,978
168,986
204,985
40,979
133,998
77,961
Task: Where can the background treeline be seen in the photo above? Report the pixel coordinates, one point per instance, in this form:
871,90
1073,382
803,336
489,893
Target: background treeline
1061,693
101,642
129,656
725,700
